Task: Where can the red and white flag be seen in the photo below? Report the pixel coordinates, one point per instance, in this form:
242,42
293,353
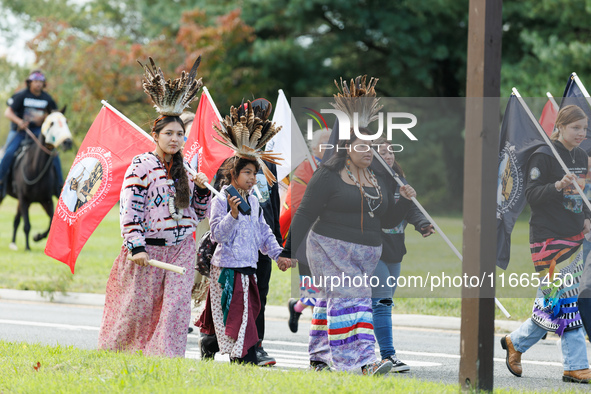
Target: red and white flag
548,117
201,150
93,184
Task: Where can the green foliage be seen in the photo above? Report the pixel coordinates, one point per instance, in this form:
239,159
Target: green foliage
252,48
543,42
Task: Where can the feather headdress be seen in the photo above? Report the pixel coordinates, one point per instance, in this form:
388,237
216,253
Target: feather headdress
246,131
170,97
358,97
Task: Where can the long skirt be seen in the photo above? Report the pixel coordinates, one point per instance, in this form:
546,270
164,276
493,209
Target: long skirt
148,308
341,333
556,305
238,333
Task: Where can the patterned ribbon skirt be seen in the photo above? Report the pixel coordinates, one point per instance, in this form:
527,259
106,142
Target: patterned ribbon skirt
556,307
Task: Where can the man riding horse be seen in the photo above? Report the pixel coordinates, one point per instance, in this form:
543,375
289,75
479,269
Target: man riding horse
27,109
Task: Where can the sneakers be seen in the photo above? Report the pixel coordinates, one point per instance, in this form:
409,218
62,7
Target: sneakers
263,359
294,316
397,365
377,368
319,366
579,376
513,359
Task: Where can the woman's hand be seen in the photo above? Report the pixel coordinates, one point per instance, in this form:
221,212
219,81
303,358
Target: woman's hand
407,192
285,262
140,258
200,179
565,181
587,226
427,230
234,202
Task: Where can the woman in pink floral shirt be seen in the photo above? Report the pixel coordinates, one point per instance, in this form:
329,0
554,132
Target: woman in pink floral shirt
148,308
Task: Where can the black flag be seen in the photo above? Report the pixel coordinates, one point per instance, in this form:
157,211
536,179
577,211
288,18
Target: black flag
519,139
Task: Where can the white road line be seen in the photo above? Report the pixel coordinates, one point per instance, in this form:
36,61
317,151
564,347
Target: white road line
295,356
51,325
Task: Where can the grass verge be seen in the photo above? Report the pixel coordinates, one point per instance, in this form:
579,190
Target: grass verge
27,368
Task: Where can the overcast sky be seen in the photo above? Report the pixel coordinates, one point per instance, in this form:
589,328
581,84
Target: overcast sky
16,51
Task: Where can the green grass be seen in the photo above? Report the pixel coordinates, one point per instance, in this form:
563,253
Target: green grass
69,370
35,271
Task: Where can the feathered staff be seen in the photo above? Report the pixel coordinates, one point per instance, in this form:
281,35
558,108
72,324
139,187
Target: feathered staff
246,131
358,97
171,97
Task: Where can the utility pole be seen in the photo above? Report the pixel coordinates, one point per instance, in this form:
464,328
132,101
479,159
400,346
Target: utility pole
480,177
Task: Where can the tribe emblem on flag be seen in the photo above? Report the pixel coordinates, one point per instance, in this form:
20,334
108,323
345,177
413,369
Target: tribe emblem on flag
93,184
83,186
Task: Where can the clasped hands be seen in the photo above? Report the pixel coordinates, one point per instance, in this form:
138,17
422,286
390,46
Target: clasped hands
285,262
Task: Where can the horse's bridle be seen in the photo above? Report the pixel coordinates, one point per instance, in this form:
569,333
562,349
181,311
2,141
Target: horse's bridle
34,137
51,153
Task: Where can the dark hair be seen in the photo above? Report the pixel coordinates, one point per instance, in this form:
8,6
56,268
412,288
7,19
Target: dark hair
337,161
339,158
177,171
232,167
396,166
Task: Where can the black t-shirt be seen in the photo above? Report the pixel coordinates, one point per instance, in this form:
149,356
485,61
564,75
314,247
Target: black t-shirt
555,214
333,209
29,107
393,247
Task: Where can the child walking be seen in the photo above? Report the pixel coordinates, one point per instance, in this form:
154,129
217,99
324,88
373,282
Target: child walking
234,302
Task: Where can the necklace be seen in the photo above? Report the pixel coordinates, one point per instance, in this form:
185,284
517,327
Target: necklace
368,197
171,190
574,155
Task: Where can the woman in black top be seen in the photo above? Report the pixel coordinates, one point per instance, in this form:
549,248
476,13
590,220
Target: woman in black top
559,220
346,204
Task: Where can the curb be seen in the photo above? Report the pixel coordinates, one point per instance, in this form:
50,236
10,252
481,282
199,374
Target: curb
271,311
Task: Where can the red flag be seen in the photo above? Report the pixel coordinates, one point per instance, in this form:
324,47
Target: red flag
548,117
200,147
93,183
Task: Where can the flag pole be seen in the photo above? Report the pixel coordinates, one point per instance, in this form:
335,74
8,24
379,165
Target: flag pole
550,144
437,228
125,118
554,103
308,153
215,108
582,87
148,136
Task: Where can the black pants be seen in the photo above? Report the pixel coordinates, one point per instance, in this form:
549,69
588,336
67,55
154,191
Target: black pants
264,267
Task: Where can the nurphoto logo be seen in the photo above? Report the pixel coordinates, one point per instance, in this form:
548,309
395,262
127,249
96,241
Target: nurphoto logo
392,124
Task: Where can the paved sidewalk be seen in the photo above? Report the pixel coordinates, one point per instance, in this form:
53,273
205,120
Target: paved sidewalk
272,311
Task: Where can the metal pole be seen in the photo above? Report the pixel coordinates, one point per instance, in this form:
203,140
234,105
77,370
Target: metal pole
480,174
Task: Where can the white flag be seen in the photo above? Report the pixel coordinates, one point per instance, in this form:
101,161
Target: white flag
289,141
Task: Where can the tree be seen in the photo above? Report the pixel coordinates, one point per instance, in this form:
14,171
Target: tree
417,49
